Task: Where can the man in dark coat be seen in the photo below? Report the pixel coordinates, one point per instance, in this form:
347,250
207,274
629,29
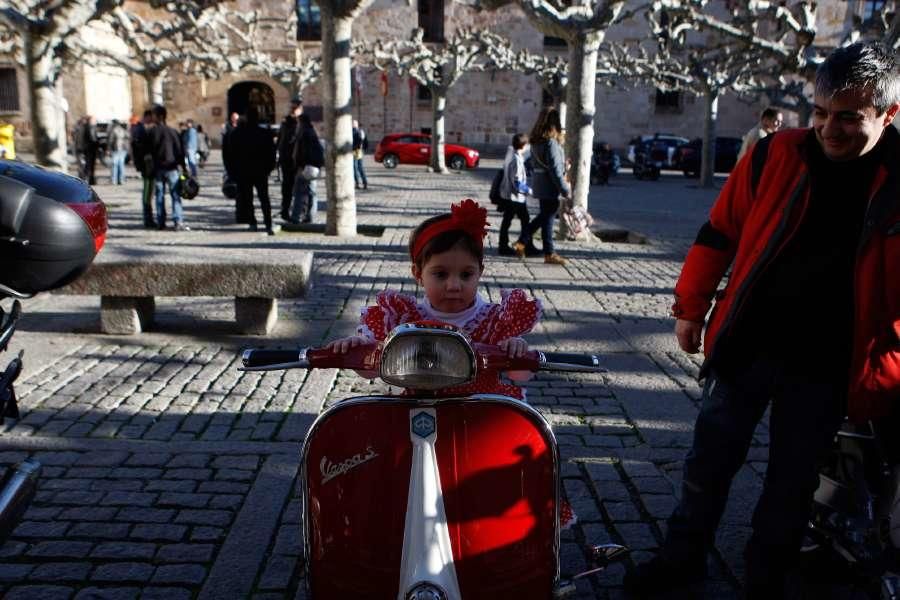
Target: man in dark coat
286,135
168,163
143,161
250,157
91,145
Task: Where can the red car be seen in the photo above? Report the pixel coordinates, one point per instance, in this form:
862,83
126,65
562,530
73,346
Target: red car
415,149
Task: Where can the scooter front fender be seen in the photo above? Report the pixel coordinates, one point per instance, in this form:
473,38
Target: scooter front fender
458,493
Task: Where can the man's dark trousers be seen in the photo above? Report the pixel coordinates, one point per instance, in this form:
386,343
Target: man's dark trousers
807,409
288,173
245,193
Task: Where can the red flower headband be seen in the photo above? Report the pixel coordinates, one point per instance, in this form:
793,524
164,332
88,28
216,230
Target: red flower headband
466,216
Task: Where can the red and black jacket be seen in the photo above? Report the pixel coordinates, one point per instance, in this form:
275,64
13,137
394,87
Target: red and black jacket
756,214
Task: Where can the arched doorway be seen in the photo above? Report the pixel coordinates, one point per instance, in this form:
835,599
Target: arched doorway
255,93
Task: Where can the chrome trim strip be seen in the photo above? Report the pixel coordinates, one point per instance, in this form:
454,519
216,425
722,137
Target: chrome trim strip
545,427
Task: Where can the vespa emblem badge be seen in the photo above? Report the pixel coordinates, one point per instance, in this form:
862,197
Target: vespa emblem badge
423,424
331,470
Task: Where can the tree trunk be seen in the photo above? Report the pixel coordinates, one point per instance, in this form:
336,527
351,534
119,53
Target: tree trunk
708,159
804,112
336,63
155,87
438,162
579,122
48,134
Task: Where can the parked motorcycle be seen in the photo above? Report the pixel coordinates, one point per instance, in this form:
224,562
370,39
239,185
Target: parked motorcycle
855,524
51,227
432,495
646,165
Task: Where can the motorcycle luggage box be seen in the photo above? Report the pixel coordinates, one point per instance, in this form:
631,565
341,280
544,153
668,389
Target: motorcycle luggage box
499,480
44,243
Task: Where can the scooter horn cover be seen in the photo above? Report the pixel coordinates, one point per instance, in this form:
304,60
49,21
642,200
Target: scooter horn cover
44,243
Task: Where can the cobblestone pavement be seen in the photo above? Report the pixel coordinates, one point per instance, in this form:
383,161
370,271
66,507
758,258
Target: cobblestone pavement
170,474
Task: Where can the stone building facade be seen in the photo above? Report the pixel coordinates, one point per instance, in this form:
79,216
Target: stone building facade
484,109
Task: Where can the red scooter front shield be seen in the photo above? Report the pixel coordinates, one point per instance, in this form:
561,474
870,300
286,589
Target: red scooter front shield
498,470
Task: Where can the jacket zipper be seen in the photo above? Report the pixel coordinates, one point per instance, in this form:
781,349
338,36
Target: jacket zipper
775,243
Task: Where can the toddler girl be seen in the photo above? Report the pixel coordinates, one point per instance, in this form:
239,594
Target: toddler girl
447,255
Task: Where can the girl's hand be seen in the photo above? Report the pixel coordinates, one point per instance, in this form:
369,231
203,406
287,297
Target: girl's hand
515,347
343,345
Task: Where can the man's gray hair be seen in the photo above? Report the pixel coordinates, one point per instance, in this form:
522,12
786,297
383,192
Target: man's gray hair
867,65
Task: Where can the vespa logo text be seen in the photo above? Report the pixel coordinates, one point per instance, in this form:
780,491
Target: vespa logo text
331,470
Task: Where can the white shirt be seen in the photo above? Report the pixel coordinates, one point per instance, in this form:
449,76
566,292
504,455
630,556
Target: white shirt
457,319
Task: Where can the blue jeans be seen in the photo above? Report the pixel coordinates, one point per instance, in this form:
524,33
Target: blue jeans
192,162
359,173
169,178
543,221
117,168
806,411
305,203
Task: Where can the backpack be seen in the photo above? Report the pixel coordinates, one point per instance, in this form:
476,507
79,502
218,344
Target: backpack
494,194
577,220
314,153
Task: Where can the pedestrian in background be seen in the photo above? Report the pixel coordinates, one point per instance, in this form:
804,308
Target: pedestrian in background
249,158
360,145
202,146
287,134
191,145
90,145
142,157
118,141
168,162
514,191
548,183
806,229
769,122
309,157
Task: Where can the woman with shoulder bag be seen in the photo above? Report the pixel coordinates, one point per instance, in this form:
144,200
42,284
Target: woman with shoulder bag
548,184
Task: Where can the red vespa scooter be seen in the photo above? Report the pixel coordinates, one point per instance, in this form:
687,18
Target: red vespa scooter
427,496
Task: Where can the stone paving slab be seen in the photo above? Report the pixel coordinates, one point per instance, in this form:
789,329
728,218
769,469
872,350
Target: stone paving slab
171,474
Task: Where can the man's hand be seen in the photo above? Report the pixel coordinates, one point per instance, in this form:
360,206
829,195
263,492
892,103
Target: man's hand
688,334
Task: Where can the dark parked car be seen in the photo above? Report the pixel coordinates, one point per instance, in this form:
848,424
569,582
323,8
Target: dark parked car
659,147
415,149
689,155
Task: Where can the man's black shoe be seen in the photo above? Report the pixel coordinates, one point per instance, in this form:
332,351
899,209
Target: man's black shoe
662,575
506,251
532,251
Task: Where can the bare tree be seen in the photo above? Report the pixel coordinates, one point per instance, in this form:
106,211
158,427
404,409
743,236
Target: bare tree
293,74
552,73
437,67
43,30
337,29
779,33
207,39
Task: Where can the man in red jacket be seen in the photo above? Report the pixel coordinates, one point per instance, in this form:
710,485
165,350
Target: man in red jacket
809,223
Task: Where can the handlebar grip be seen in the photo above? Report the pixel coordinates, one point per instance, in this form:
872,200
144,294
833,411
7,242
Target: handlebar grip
267,358
584,360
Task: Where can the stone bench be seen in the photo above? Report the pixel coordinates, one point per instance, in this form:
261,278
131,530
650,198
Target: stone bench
128,288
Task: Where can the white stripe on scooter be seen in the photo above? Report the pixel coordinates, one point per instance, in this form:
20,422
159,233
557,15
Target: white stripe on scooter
427,555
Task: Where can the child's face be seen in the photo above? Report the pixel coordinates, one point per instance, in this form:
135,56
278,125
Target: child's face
450,279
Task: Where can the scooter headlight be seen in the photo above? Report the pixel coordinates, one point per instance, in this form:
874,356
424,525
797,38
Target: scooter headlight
427,358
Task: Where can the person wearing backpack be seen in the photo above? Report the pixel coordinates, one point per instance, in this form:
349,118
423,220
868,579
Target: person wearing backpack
309,157
168,158
514,192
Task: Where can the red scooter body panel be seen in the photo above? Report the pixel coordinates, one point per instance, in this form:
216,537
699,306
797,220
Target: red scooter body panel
497,465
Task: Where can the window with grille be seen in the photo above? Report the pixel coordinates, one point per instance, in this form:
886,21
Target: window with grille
309,21
668,102
554,42
872,8
431,19
9,90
